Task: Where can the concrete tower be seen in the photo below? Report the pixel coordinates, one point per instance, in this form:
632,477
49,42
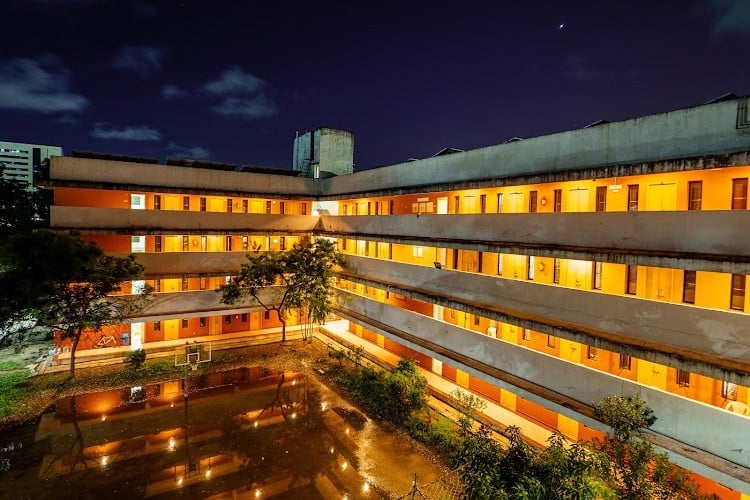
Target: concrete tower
324,152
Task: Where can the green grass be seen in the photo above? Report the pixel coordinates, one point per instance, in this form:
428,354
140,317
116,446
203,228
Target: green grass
12,391
10,365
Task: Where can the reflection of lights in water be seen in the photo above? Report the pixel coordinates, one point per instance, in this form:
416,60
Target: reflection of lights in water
366,487
104,417
208,473
257,493
293,415
331,450
294,382
345,497
179,482
255,424
322,406
171,444
104,460
344,465
347,431
171,405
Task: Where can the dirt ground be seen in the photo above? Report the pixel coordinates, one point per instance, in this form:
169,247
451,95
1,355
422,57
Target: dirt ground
24,355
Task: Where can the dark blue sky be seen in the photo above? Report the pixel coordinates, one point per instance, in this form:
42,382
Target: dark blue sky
232,81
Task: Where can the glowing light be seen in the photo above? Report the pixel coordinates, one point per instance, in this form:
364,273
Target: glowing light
322,406
208,473
104,460
331,450
293,415
171,405
257,493
347,431
366,487
171,444
255,424
294,382
104,417
179,482
344,465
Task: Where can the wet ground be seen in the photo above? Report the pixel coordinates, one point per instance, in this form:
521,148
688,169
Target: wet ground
248,432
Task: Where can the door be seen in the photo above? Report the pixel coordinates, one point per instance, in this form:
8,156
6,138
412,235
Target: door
578,200
662,196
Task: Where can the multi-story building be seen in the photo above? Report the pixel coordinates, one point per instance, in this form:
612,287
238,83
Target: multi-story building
23,162
543,274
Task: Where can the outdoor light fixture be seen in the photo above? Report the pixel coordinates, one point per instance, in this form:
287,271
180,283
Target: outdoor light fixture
615,187
543,201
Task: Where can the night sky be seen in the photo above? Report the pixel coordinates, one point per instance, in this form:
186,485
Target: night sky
232,81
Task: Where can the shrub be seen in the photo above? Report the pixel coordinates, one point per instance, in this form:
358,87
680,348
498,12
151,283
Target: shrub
135,359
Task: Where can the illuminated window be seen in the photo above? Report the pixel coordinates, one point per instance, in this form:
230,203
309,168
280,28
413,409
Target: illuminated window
452,314
245,206
739,194
203,204
683,378
268,206
229,205
596,276
499,264
186,203
483,203
625,362
737,300
532,201
632,280
137,244
688,287
695,195
157,326
729,390
137,201
157,243
157,285
591,352
245,243
601,198
343,243
157,202
185,243
525,334
556,271
557,203
185,323
633,198
202,322
204,243
417,251
203,282
499,202
530,265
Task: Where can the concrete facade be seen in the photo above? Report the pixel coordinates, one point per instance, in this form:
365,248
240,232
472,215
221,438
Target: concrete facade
323,152
20,161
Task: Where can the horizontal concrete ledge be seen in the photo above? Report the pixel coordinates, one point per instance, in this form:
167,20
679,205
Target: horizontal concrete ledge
198,303
118,220
711,342
570,390
188,264
705,235
109,174
680,418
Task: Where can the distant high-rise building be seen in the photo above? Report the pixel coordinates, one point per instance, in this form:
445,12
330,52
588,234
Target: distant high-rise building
23,162
324,152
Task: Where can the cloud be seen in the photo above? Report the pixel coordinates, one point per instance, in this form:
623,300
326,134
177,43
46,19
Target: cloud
731,17
250,108
579,68
243,95
41,85
170,91
142,59
103,130
192,152
235,81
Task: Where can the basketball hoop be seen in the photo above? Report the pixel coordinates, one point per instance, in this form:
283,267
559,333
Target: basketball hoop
193,364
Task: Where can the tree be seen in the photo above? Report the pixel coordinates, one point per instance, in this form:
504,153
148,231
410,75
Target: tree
301,278
21,210
628,462
66,283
